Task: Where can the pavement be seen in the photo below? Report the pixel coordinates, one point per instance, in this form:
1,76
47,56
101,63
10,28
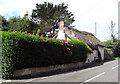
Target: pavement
106,73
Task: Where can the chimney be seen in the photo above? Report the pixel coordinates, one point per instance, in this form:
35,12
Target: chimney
61,26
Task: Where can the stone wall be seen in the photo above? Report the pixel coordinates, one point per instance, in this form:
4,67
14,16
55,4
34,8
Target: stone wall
32,71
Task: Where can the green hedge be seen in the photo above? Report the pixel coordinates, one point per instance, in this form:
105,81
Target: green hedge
25,51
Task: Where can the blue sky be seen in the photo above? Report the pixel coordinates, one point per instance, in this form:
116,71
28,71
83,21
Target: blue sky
86,13
13,13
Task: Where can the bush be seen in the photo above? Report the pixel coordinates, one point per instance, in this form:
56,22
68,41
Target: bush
112,46
117,50
108,54
25,51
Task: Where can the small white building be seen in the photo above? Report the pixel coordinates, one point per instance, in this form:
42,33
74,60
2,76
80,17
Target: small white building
67,33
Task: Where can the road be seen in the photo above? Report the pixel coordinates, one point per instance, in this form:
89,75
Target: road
108,72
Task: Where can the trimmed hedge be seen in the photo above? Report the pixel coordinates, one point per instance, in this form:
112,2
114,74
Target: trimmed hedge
25,51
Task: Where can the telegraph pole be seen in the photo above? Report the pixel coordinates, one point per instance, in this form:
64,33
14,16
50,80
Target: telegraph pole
95,29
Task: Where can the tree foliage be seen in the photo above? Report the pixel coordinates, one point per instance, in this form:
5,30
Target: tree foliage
48,16
110,44
21,24
3,22
15,24
45,17
112,31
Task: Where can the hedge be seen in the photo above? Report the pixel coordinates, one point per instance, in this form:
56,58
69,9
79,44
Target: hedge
25,51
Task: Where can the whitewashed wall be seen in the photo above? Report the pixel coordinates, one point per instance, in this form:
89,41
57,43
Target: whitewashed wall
101,49
61,35
92,56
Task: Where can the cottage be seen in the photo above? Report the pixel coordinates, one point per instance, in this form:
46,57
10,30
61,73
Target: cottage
67,33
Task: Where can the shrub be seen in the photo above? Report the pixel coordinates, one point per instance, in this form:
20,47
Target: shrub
113,46
25,51
117,50
108,53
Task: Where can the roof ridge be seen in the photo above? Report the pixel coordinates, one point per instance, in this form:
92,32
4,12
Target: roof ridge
83,32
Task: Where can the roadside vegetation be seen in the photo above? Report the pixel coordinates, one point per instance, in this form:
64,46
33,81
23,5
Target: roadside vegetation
26,51
27,41
112,50
112,46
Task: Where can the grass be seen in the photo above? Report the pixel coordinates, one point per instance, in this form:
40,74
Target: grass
117,58
113,58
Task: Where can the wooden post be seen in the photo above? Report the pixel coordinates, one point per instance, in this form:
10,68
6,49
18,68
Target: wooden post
95,29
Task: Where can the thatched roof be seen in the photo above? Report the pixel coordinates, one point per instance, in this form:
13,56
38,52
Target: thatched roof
87,37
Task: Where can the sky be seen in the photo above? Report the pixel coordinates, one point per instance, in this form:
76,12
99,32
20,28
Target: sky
86,13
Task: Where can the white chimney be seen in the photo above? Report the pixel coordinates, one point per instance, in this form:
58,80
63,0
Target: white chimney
61,34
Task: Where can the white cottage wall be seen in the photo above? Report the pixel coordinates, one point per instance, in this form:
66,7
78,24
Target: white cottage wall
101,49
89,57
61,35
95,55
92,56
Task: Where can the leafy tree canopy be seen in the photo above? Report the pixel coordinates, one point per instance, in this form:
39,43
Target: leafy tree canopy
3,22
21,24
48,16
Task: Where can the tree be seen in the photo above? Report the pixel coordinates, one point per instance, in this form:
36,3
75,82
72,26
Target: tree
112,32
48,16
21,24
14,24
3,23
